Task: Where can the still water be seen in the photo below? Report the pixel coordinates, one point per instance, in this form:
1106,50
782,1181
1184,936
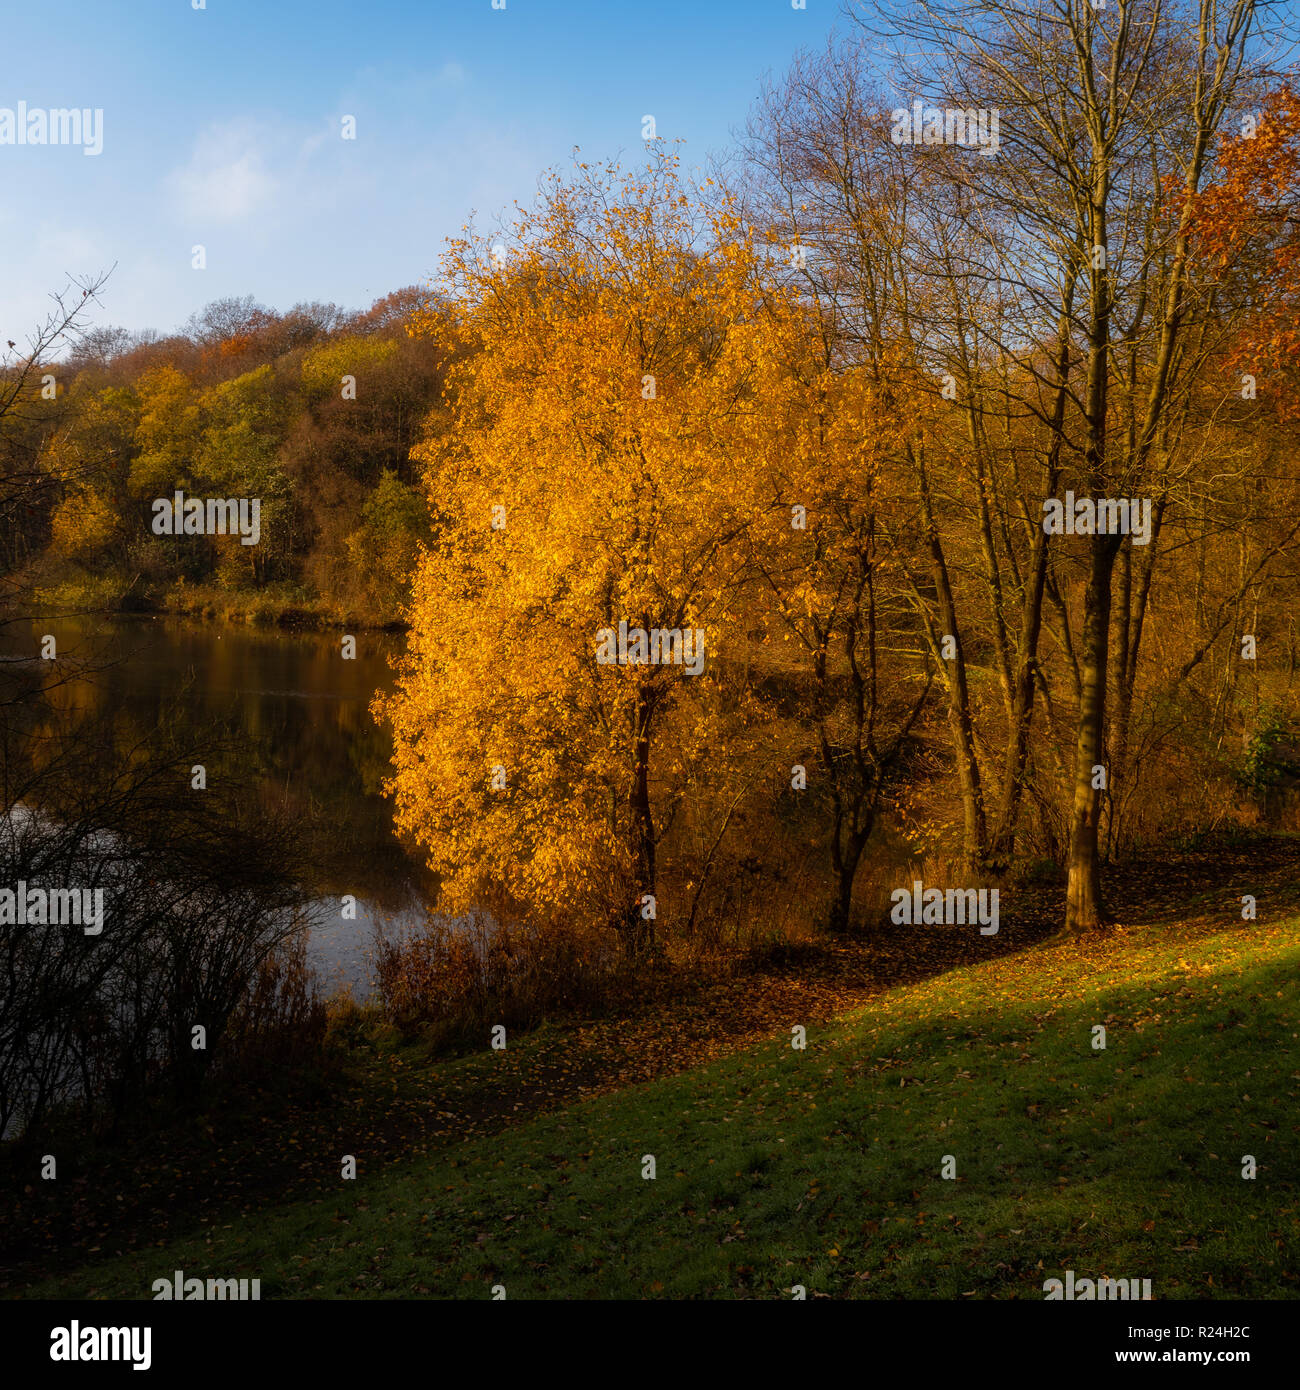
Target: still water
303,713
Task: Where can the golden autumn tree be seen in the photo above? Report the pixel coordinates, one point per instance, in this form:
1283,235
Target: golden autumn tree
1248,228
616,380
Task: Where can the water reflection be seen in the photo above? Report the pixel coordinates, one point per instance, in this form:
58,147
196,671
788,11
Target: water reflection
308,740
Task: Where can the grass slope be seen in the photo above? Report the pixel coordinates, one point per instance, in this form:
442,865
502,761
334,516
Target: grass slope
821,1167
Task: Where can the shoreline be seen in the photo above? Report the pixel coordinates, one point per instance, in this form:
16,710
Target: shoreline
213,607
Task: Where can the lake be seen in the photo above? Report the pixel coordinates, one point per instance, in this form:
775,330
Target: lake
304,713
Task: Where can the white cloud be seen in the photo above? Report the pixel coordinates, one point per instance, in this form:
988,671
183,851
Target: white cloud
226,179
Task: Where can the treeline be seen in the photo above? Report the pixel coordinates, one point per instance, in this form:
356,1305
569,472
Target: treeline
313,412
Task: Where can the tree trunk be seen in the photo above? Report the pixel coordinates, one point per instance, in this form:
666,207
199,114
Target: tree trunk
1084,909
1003,842
846,857
1083,903
974,844
638,930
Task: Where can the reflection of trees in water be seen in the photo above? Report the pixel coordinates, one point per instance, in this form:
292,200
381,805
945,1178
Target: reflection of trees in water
294,725
199,891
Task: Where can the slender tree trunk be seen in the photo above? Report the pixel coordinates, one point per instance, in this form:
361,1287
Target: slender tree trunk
1003,843
638,931
975,835
1084,908
1083,902
1117,771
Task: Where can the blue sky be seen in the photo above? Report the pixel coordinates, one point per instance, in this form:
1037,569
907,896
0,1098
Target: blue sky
221,127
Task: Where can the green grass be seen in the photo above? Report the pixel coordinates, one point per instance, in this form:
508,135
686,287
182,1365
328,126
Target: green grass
778,1167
